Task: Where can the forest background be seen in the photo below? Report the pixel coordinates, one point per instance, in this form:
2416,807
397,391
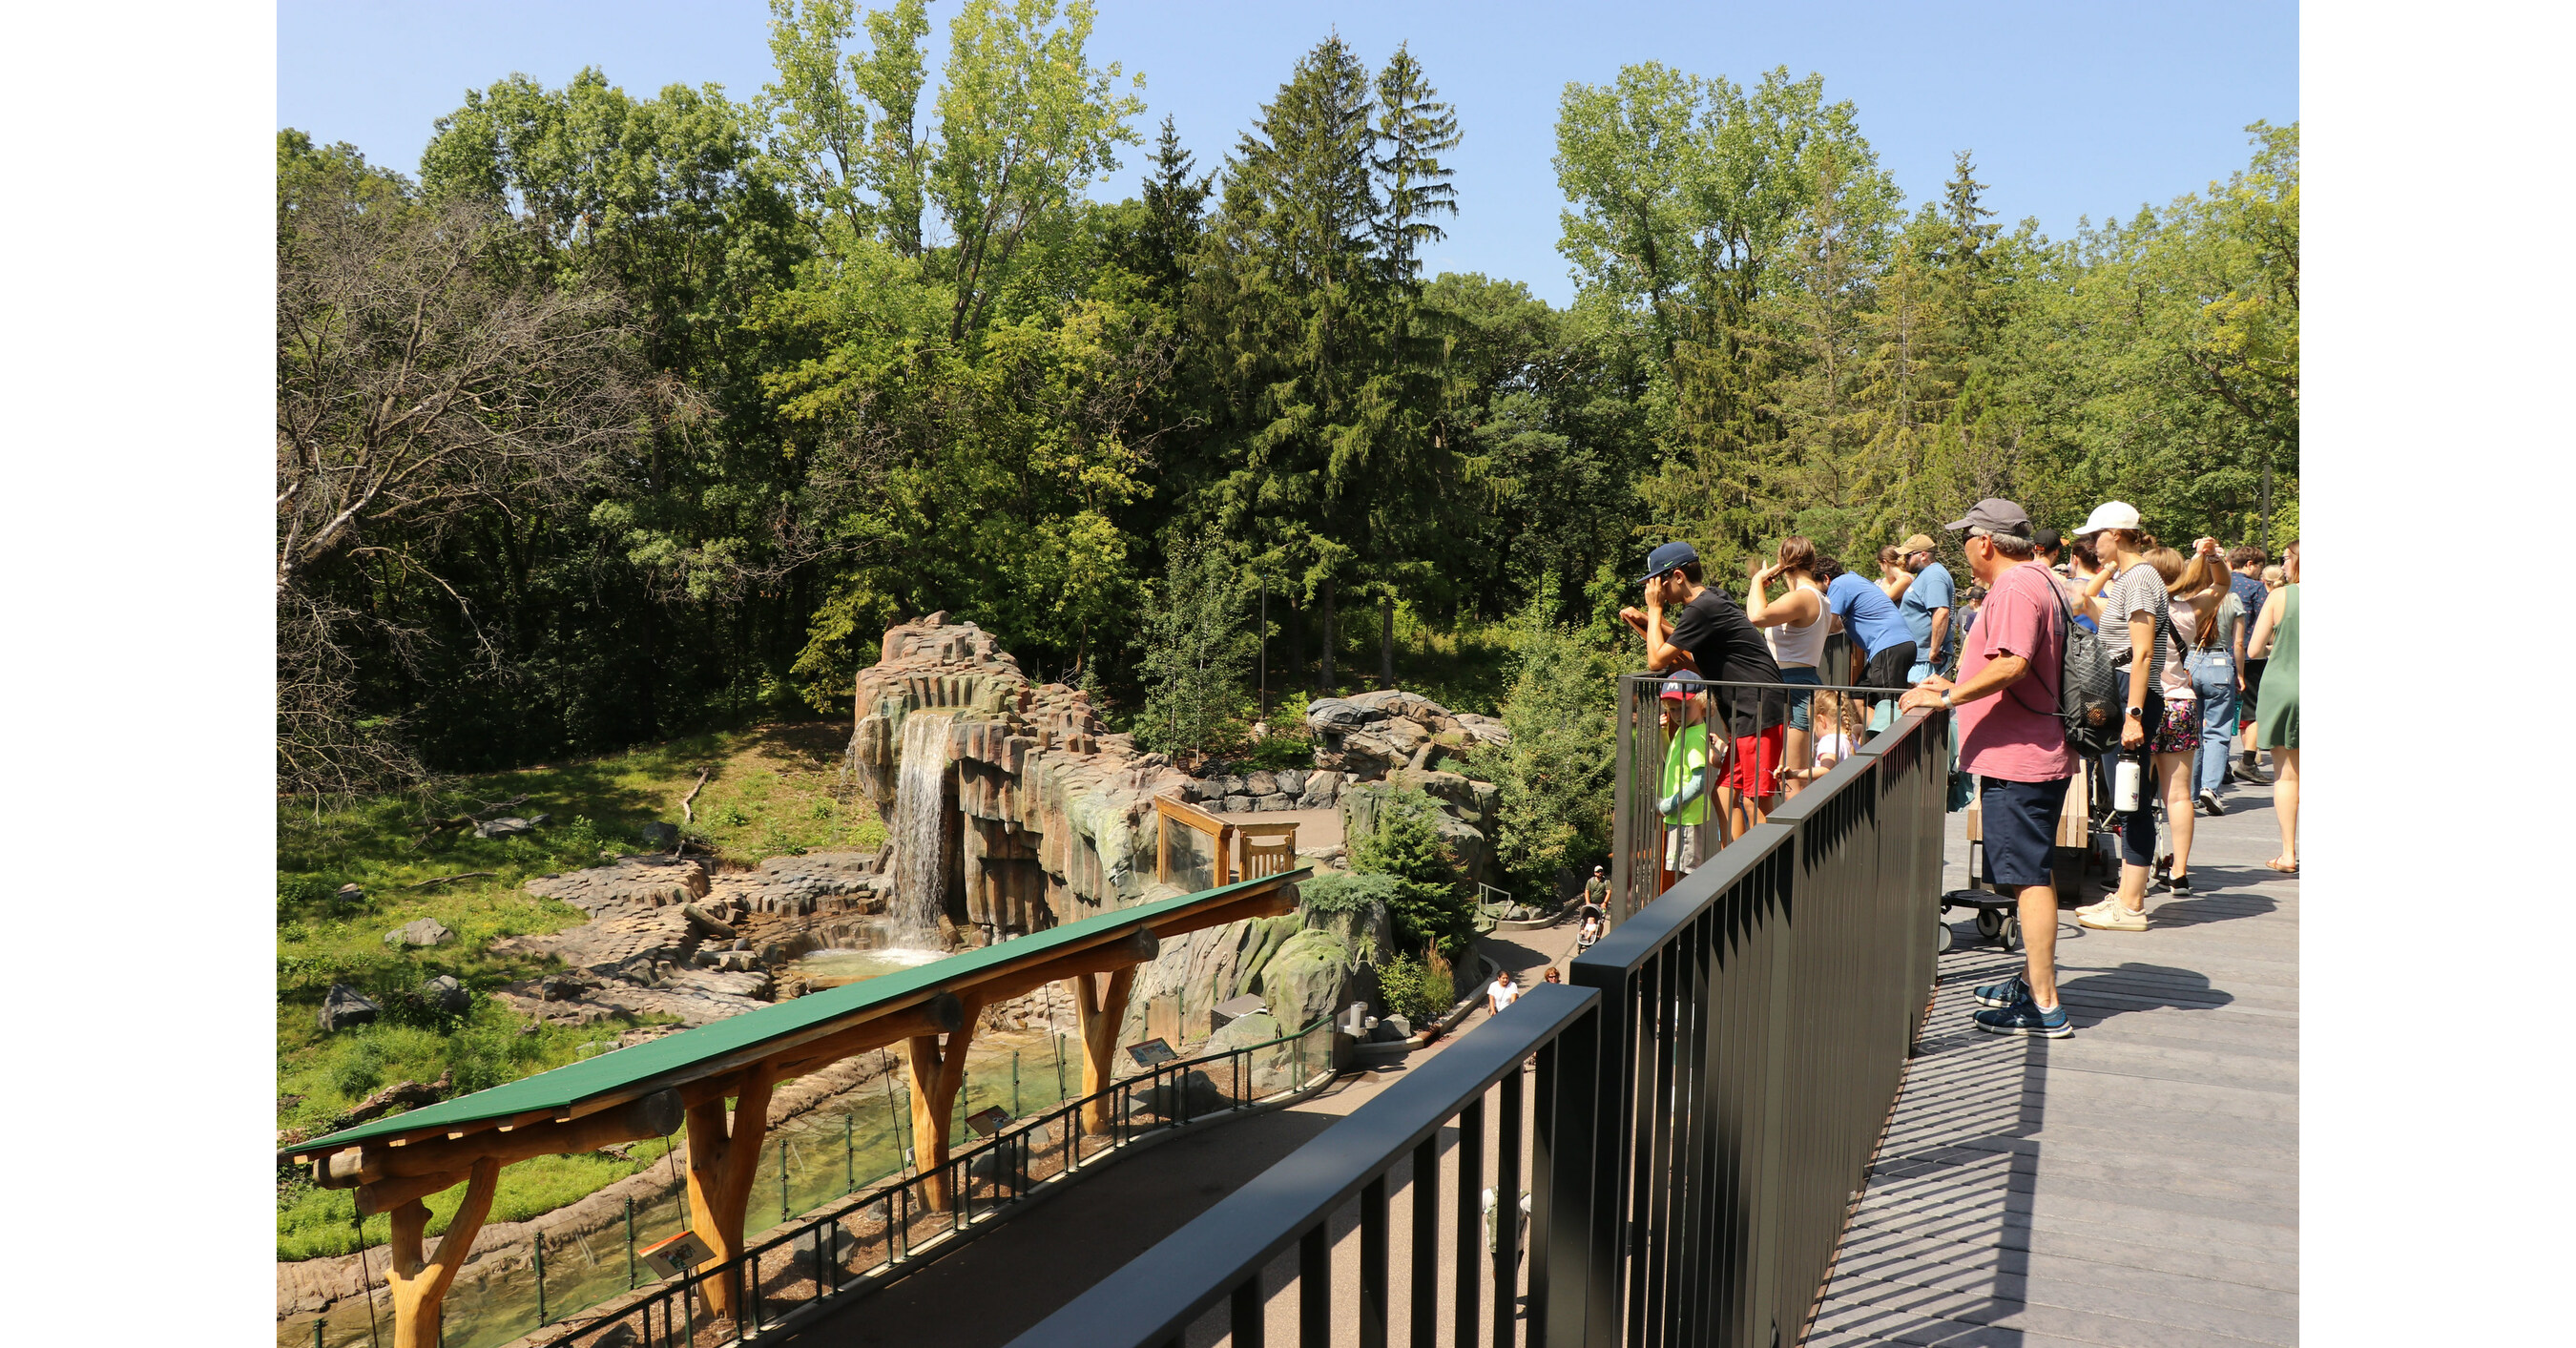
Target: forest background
628,417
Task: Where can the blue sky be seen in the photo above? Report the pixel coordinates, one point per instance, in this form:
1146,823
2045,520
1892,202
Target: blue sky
2071,109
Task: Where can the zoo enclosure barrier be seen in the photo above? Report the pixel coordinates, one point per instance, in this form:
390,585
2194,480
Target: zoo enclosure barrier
1694,1113
858,1241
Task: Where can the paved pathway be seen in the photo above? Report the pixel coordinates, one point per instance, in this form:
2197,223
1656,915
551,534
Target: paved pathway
2134,1185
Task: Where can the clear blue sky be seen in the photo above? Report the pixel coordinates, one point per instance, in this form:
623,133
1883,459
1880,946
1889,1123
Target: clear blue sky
2071,109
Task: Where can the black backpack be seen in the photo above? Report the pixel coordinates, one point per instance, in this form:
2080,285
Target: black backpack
2088,688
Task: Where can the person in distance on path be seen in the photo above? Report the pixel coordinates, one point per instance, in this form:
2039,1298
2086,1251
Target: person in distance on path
2011,739
1502,992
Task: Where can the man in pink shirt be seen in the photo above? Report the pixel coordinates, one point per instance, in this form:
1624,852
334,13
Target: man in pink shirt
2011,739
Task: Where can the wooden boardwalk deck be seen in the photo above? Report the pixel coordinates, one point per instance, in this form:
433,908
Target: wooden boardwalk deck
2135,1185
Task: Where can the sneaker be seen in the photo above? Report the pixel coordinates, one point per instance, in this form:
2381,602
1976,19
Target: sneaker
2025,1017
2179,884
2101,905
2005,993
2116,918
2209,803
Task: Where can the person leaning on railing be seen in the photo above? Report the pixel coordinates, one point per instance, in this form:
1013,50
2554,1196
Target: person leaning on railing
1687,624
2012,740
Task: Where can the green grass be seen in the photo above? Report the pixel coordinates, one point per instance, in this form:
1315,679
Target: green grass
773,792
313,1223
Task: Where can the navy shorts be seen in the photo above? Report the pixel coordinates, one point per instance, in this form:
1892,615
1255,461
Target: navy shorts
2020,825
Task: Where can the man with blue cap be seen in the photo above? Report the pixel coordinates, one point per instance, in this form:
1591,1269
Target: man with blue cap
1688,625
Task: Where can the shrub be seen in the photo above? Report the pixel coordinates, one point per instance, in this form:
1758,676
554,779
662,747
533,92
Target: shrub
1348,891
1420,990
360,1068
1281,751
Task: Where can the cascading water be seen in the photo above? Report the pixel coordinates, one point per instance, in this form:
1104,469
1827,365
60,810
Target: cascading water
921,829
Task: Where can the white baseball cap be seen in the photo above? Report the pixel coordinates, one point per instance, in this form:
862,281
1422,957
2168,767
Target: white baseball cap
2109,515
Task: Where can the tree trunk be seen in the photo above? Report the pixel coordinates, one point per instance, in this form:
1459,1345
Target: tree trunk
1324,666
1294,630
1386,640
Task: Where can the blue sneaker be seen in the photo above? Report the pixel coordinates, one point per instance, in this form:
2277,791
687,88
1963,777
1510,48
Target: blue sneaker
2004,994
2025,1017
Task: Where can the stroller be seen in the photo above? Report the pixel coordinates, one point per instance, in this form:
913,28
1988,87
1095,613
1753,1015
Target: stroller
1591,930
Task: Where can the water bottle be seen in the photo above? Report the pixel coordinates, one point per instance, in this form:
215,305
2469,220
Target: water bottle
2124,785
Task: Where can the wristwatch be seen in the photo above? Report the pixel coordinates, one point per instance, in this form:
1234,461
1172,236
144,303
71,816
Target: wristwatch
2139,713
1945,698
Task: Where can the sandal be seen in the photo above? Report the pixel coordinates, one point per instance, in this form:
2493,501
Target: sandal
2275,864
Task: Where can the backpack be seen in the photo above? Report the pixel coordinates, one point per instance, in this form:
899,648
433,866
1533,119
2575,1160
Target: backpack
2088,689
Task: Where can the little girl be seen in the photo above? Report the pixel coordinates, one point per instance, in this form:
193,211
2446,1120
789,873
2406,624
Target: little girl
1832,744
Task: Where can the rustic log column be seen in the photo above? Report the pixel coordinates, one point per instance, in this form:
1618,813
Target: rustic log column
1099,1010
938,1070
420,1287
722,1161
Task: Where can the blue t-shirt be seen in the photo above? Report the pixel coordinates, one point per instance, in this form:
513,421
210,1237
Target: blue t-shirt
1867,617
1932,588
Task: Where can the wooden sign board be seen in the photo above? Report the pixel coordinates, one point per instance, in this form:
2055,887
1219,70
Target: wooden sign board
679,1254
989,1121
1152,1053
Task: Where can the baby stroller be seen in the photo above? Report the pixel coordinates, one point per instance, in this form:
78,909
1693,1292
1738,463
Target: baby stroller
1591,930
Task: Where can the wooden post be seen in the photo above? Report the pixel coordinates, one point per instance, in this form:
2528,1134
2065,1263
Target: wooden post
722,1161
420,1287
938,1070
1099,1017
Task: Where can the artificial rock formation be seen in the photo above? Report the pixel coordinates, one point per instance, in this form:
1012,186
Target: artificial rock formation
1050,818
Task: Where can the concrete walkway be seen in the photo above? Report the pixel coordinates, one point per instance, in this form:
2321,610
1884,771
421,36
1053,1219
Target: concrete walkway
2134,1185
1020,1272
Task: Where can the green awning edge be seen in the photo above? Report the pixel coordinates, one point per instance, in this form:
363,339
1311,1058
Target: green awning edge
624,1068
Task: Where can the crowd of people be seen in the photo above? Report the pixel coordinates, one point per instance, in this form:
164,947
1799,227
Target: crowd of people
2204,646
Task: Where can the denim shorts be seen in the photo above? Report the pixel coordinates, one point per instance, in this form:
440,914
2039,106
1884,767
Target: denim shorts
2019,822
1799,715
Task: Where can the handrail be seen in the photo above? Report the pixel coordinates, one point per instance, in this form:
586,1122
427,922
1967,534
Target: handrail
900,1209
1219,1256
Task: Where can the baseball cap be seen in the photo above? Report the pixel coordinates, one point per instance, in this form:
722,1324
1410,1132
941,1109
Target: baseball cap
2108,515
1918,543
1995,515
1667,557
1682,685
2047,540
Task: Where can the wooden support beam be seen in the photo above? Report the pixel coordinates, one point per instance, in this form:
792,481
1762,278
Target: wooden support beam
1138,945
938,1070
722,1160
1100,1016
419,1286
1265,903
655,1115
940,1015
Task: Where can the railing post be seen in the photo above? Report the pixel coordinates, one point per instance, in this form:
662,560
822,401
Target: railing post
539,1245
1623,803
630,1244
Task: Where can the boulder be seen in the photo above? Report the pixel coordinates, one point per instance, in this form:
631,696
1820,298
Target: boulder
648,881
344,1007
1405,733
422,932
1333,713
1320,789
351,896
503,828
1307,978
1258,783
1292,781
1391,1029
446,996
1238,804
1243,1032
1275,801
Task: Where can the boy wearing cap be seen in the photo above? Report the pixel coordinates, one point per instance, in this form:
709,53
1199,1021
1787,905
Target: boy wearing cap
2011,739
1709,631
1682,799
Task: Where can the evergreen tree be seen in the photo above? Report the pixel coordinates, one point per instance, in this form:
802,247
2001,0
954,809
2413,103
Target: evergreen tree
1430,903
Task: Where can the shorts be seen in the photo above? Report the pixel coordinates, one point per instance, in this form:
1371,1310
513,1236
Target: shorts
2177,731
1888,668
1799,715
2253,684
1755,768
2020,826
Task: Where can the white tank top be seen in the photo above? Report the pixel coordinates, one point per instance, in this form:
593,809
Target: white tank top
1795,645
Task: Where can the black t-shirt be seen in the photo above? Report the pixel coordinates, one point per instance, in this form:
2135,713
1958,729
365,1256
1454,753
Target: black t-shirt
1728,647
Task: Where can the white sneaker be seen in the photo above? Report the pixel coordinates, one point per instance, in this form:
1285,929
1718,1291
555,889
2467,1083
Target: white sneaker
2118,919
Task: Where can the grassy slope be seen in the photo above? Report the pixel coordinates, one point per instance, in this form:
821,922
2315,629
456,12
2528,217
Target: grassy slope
773,792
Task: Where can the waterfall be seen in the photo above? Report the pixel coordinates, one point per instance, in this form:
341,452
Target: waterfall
921,829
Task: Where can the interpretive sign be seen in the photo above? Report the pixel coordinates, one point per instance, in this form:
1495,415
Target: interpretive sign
1152,1053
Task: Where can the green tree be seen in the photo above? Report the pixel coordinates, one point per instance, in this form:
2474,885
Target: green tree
1195,652
1430,904
1555,775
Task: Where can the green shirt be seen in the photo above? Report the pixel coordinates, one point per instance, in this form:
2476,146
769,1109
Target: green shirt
1686,775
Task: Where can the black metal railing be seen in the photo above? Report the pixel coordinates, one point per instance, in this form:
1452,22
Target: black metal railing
1514,1101
1704,1098
859,1241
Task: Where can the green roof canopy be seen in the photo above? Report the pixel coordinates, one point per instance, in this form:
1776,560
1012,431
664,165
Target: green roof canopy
668,1059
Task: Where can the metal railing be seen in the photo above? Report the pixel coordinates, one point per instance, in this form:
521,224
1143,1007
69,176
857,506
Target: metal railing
1705,1095
856,1242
